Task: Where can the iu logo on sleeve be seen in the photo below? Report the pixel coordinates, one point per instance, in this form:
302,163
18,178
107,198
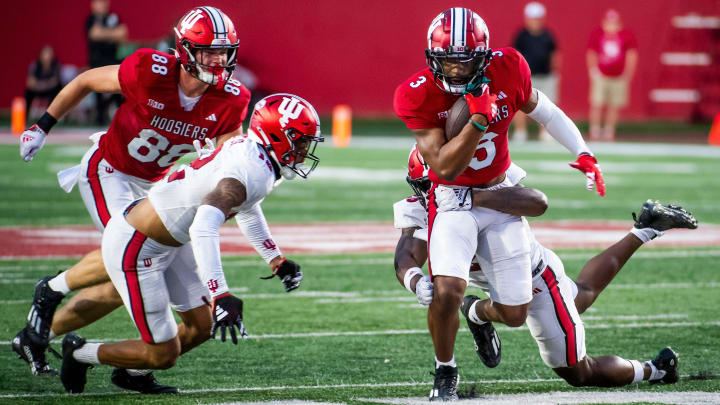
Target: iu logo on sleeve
269,244
290,108
212,285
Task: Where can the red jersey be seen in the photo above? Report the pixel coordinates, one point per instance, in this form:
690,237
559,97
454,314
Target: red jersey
150,130
421,104
612,50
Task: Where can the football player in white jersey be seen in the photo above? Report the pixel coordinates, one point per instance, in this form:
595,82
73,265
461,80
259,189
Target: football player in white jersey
152,265
553,317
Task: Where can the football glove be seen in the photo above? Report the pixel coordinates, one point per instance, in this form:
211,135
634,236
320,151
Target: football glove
453,199
289,273
227,314
424,291
31,141
206,151
483,104
589,166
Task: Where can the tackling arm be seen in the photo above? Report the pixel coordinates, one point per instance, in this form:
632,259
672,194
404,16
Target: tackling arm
410,252
410,255
517,200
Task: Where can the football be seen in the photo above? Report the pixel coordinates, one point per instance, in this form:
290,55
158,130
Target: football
457,118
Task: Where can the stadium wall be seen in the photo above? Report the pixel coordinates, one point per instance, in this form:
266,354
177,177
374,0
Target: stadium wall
357,51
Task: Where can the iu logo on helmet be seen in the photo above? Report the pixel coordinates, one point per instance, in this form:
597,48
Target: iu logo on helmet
190,19
290,108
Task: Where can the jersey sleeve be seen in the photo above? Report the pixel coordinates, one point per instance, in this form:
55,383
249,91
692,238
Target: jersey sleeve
524,82
130,73
409,213
238,111
408,103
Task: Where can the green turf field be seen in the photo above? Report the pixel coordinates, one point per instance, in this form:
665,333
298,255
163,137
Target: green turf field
351,333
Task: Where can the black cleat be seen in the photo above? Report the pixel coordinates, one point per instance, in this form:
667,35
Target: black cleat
146,384
487,341
45,301
32,352
667,361
73,373
446,383
663,217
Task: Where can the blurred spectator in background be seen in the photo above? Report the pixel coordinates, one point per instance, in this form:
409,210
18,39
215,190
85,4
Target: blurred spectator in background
43,79
538,47
104,34
611,58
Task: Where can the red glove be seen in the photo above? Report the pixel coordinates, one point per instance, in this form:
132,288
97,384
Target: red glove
483,104
589,166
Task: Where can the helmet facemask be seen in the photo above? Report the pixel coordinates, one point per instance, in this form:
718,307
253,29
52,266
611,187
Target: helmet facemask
303,147
421,187
474,62
211,75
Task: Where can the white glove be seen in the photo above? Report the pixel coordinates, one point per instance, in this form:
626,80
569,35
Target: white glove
424,291
453,199
31,141
208,150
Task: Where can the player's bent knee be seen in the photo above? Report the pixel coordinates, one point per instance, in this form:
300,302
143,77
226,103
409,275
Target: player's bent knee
577,375
513,316
449,291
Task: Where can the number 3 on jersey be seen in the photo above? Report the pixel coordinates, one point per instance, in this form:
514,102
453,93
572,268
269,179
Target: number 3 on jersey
147,147
486,144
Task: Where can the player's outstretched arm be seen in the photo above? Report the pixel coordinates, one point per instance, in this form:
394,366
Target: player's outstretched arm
564,130
103,80
205,237
410,256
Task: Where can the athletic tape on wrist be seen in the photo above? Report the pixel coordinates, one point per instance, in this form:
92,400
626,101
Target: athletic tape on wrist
409,274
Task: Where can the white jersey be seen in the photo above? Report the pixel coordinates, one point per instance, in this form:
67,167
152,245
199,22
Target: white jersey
177,197
410,213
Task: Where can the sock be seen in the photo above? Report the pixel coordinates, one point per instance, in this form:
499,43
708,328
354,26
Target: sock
88,353
639,371
655,374
646,234
472,314
51,335
135,373
59,283
450,363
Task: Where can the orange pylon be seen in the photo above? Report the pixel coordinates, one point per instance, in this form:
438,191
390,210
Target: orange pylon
714,137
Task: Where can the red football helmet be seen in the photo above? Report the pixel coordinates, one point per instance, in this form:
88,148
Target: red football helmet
206,28
417,176
461,38
289,128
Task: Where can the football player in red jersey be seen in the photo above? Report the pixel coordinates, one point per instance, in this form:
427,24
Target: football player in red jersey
496,84
170,102
554,316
